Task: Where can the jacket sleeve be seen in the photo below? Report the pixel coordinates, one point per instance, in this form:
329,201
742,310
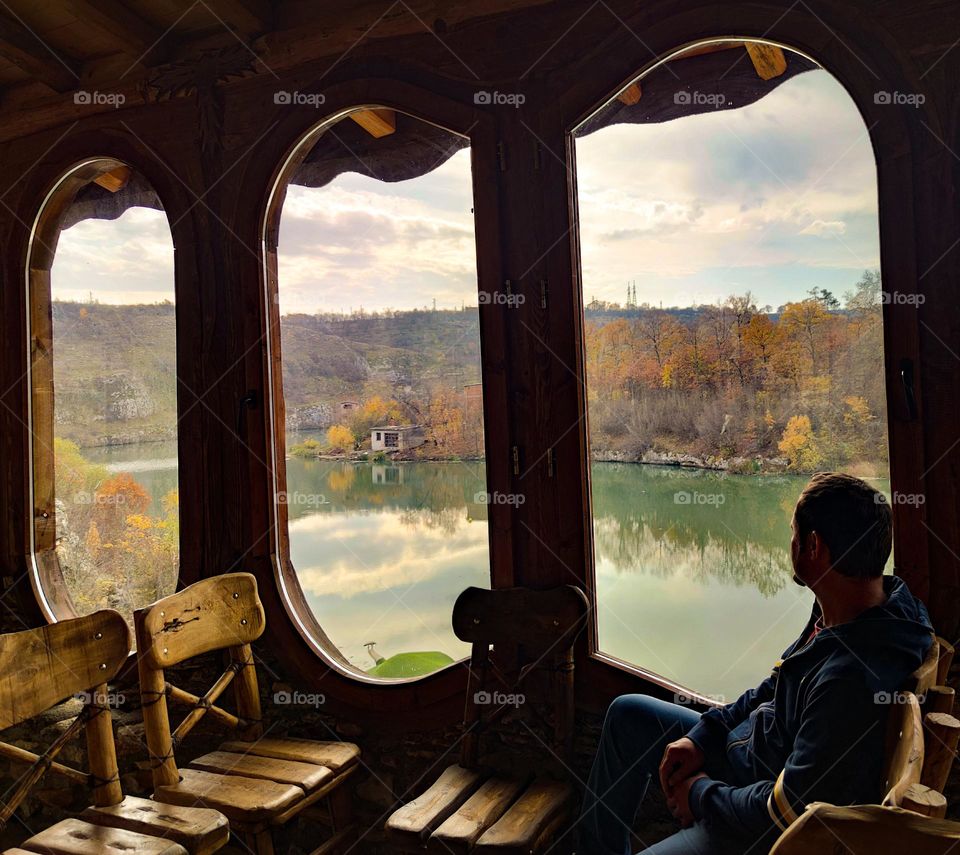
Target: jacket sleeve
833,760
710,733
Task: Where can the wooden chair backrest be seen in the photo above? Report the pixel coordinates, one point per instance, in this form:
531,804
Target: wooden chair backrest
926,676
222,613
541,626
39,668
905,761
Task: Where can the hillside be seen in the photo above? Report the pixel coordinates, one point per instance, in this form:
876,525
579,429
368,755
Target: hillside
114,366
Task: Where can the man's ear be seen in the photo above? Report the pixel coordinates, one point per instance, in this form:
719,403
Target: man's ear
814,545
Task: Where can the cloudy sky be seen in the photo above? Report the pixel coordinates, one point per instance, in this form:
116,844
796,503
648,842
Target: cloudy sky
776,198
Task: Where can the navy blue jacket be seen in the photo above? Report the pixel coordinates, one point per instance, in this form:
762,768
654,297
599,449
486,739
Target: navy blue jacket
814,730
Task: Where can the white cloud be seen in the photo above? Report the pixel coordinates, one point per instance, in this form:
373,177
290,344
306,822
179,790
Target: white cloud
819,228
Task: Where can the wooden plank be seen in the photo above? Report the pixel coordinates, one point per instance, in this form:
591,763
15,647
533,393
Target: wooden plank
223,611
543,802
939,699
768,60
926,675
198,830
115,179
427,812
461,829
631,95
379,122
247,800
30,53
304,775
39,667
76,837
130,33
333,755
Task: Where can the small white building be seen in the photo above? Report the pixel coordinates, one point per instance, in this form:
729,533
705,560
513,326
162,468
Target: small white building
396,437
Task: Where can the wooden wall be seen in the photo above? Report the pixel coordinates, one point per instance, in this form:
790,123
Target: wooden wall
212,151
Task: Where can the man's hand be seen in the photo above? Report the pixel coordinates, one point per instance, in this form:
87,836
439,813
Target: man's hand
679,800
681,759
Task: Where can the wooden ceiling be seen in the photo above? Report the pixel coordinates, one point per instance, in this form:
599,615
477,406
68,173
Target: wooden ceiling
54,47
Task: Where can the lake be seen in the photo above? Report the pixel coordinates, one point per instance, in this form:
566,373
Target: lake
693,568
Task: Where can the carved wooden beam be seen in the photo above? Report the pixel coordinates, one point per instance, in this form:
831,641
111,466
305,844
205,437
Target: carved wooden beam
30,53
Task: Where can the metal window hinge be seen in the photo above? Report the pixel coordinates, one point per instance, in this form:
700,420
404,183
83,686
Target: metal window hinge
543,293
549,462
537,155
508,287
515,453
502,156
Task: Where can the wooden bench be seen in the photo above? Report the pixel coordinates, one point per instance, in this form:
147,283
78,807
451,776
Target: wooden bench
473,808
38,668
259,783
921,744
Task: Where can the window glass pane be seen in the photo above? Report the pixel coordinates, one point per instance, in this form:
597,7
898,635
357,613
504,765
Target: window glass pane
114,448
381,365
730,265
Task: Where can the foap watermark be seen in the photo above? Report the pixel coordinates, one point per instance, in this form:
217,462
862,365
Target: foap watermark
108,700
899,99
683,497
689,700
484,98
299,99
499,699
293,698
501,298
898,298
495,498
915,499
82,497
888,698
84,98
297,499
688,98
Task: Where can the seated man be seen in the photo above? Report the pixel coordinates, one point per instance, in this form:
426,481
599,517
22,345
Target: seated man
736,776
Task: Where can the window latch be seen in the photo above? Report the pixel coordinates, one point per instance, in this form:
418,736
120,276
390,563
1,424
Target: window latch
250,401
909,393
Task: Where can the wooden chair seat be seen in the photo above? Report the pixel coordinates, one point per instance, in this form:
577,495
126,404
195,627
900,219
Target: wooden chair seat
198,830
334,755
470,811
306,776
246,800
76,837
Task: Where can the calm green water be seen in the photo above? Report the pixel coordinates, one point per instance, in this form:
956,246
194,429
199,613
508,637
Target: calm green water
692,567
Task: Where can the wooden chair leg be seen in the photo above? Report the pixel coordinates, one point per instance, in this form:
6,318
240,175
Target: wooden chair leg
341,816
260,842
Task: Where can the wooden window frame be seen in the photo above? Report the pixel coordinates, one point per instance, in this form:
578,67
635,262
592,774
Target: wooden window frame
52,595
609,675
438,695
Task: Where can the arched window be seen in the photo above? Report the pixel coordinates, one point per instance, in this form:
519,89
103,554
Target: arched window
103,394
727,203
383,497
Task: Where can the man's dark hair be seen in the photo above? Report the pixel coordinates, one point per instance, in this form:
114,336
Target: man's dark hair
853,519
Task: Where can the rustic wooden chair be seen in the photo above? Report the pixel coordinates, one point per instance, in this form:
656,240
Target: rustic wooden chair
471,808
921,744
39,668
259,783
